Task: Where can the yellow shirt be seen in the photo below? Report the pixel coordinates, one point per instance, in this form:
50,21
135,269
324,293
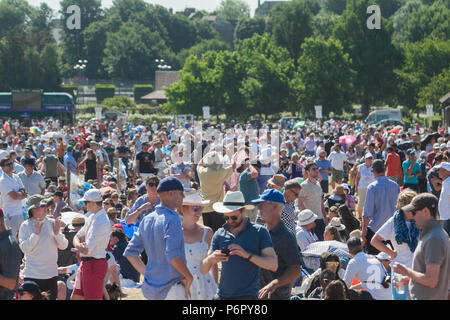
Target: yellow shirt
212,184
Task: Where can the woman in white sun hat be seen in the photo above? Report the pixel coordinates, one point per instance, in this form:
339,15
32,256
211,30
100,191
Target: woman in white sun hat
197,240
305,224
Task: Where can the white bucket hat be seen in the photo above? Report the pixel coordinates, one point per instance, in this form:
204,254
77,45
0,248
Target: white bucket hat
233,200
212,158
336,222
306,217
92,195
194,199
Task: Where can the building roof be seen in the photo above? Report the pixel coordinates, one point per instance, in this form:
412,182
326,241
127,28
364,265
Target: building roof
445,99
155,95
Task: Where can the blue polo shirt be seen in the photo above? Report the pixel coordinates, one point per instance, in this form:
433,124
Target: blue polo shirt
161,235
325,164
240,277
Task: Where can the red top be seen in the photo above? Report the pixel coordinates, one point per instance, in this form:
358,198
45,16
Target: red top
393,164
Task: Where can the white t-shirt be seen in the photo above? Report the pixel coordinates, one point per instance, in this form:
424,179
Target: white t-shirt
444,200
11,207
337,160
367,176
404,254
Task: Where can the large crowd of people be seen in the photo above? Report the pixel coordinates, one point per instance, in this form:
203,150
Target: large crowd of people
328,210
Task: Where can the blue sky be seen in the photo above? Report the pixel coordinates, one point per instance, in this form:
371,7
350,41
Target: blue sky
177,5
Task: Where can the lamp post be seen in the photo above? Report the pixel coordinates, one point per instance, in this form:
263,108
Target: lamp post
161,65
81,66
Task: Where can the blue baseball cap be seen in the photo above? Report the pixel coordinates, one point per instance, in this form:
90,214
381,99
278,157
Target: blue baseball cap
410,151
270,195
170,184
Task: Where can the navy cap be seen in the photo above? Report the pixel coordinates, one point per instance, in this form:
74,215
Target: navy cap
170,184
30,287
270,195
29,162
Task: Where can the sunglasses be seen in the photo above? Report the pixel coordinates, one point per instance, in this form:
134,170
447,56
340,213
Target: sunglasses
115,197
315,169
295,193
8,164
197,208
151,184
107,203
332,264
233,218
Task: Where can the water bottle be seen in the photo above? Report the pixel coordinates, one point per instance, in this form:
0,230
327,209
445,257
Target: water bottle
398,283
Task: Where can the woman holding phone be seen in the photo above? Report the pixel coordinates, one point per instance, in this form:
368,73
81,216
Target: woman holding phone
197,242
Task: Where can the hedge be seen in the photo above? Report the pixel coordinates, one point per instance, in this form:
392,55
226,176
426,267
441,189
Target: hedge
141,90
103,91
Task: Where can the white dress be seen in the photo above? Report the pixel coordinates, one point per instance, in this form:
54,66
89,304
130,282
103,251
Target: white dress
203,286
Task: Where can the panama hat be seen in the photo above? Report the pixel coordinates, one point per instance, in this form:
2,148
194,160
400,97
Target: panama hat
278,180
192,198
233,200
306,217
336,222
213,157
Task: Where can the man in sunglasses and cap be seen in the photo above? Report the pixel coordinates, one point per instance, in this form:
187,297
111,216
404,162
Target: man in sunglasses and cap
166,276
429,277
242,247
277,285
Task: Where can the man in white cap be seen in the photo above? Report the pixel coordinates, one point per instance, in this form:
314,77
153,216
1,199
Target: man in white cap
305,225
242,247
444,199
91,242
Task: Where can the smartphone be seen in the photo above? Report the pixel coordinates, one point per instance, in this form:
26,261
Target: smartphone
226,251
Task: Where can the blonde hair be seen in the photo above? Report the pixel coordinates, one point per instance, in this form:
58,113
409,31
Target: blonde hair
405,197
295,154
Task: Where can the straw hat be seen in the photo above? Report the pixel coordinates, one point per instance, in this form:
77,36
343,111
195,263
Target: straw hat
278,180
76,222
306,217
339,191
233,200
192,198
212,158
336,222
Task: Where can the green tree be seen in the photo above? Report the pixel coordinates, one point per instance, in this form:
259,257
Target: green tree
247,27
50,63
130,53
40,26
373,55
434,90
233,9
291,24
389,7
324,77
267,84
415,23
182,33
423,61
95,37
73,40
335,6
400,19
323,24
202,47
204,30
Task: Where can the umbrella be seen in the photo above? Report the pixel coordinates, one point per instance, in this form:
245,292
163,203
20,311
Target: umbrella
299,124
140,128
67,217
393,131
53,135
347,139
407,145
33,130
312,253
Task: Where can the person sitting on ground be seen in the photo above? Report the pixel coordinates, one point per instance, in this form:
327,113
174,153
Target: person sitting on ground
326,276
119,243
303,231
331,233
335,290
30,290
328,261
348,220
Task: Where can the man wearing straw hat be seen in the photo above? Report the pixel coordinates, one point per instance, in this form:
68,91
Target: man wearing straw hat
212,179
242,247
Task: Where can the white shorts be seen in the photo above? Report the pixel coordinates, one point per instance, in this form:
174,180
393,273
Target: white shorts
176,292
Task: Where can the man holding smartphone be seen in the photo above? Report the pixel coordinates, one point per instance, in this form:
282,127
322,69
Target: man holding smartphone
13,192
242,247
